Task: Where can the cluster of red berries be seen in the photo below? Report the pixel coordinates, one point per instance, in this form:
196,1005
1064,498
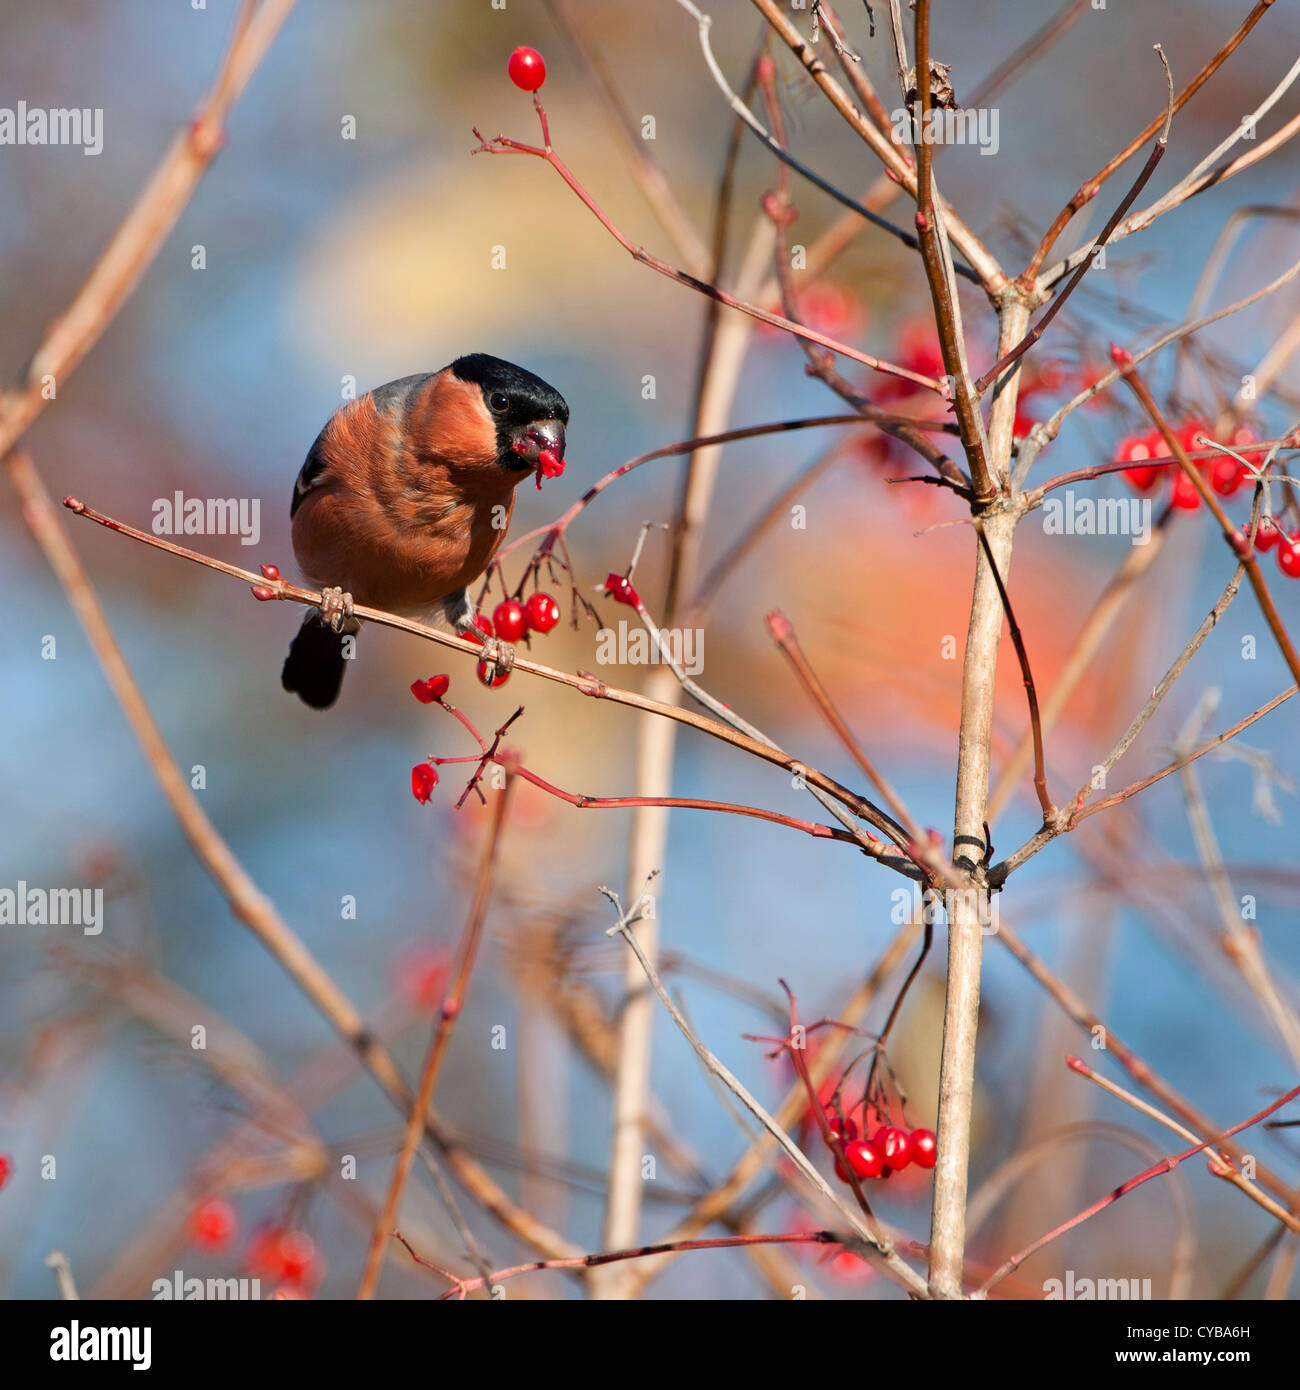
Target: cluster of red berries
279,1254
889,1149
284,1256
512,620
1222,472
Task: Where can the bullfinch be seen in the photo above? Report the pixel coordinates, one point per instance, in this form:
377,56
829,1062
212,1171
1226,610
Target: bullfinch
405,497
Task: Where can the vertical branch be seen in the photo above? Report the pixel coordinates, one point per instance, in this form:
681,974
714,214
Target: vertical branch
452,1004
941,281
656,743
965,925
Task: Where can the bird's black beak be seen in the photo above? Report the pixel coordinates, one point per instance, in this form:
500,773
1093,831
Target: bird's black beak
529,441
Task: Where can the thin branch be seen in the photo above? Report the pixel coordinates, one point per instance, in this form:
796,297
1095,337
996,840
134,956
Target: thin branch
1089,190
942,290
1231,535
1166,1165
1099,242
452,1004
155,212
1031,695
869,1232
783,634
746,116
501,144
583,681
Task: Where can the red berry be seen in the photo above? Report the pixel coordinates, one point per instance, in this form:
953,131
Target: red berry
270,572
484,628
1241,437
1050,376
424,777
432,689
1227,475
549,463
924,1148
509,620
527,69
213,1224
1134,449
297,1257
492,684
6,1168
421,974
895,1144
1268,534
1288,557
542,612
1185,496
283,1255
865,1159
1022,425
1186,434
845,1129
620,589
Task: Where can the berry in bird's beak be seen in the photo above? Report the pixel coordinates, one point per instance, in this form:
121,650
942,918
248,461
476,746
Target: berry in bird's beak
541,444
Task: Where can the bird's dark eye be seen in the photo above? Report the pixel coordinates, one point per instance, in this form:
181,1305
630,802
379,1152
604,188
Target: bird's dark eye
499,402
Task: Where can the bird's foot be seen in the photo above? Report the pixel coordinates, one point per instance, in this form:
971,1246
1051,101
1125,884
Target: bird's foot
335,608
499,657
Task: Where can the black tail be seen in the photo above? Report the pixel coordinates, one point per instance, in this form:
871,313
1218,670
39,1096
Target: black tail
314,667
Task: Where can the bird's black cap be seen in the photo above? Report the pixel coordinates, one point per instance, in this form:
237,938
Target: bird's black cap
530,397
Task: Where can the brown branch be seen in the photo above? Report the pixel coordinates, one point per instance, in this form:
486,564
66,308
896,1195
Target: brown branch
1181,762
1157,1170
137,241
821,364
655,187
688,803
1089,190
461,1287
1227,1171
1102,1035
941,290
500,144
1099,242
583,681
981,261
452,1004
685,446
783,634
